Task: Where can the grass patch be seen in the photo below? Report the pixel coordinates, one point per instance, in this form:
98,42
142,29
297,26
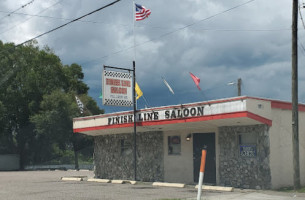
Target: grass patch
290,189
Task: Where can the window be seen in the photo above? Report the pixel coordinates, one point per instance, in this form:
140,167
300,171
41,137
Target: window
247,138
174,145
125,147
247,145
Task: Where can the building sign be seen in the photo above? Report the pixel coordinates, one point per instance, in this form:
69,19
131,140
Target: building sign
158,115
247,151
117,88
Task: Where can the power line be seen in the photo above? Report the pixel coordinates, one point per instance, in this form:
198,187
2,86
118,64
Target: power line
101,8
30,17
212,16
10,13
301,17
90,21
84,21
302,48
166,34
51,17
245,30
10,73
174,31
154,27
300,44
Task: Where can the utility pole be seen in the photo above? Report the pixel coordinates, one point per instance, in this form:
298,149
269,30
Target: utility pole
239,86
294,93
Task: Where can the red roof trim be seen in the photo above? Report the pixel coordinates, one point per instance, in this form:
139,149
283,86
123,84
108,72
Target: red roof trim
184,120
286,105
281,104
259,118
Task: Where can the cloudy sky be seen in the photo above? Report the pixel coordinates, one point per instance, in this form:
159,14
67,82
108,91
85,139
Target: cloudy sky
219,41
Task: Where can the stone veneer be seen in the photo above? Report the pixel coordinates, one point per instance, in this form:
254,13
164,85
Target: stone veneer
112,163
240,172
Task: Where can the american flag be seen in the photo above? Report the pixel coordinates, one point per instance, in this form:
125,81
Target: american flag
141,12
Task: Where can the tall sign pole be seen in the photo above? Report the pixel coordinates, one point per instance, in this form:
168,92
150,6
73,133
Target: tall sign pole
294,92
117,91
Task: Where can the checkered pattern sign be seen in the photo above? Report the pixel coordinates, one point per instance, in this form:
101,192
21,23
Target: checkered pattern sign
117,88
112,102
114,74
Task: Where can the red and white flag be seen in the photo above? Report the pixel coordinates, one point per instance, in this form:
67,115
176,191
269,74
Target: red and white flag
141,12
196,80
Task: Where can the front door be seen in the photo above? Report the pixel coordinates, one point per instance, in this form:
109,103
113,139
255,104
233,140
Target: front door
200,141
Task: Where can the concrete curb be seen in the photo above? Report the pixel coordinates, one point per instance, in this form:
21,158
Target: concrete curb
133,182
72,178
161,184
216,188
98,180
158,184
111,181
117,181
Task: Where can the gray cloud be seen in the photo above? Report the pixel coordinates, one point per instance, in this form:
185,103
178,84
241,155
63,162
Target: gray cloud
251,42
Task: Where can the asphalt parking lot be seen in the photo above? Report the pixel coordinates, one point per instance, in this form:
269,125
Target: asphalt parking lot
38,185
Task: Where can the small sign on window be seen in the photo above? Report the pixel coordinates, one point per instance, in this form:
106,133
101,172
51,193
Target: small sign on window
247,151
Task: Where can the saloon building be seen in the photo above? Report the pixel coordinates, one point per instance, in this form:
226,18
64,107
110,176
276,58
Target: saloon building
248,141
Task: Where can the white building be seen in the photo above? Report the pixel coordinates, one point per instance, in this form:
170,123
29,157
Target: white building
248,140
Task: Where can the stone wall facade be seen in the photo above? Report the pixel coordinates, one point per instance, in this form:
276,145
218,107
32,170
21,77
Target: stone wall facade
113,156
241,171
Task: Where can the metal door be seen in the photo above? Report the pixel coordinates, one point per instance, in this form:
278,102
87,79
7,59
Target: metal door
200,141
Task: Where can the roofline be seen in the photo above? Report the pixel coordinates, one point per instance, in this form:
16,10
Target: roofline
285,105
163,108
180,120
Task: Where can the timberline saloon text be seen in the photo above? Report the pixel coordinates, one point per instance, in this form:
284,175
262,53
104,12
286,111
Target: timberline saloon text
118,86
155,115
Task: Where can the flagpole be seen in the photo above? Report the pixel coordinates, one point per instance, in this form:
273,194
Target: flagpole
133,31
134,88
134,122
134,37
134,97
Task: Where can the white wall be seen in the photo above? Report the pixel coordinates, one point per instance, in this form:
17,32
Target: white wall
259,107
179,168
302,146
281,163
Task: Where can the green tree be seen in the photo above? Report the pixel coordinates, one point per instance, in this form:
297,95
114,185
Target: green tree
29,73
37,102
59,108
74,79
55,121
